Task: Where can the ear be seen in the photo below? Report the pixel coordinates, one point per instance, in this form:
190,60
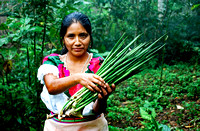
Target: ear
63,41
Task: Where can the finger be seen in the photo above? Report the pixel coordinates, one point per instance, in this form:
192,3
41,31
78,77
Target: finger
113,87
109,89
92,85
99,78
90,88
94,80
100,96
104,92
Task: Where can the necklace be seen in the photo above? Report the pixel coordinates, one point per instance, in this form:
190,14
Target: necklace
84,63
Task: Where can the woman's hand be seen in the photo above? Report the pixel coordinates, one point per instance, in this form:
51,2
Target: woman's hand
106,91
91,81
100,104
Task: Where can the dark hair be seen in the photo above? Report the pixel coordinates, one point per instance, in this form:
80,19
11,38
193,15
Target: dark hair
73,18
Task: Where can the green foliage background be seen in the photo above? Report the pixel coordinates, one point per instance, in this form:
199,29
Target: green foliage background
31,31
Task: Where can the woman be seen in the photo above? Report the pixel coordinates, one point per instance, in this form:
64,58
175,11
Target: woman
63,75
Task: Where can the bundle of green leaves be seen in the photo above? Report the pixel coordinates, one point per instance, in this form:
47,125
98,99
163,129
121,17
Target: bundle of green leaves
120,64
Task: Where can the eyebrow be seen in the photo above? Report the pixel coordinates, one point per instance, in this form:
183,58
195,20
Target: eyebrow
79,33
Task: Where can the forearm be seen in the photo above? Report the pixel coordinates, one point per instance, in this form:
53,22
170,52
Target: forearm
58,85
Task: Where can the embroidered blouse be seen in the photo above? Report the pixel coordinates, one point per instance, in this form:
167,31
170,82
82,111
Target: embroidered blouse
55,64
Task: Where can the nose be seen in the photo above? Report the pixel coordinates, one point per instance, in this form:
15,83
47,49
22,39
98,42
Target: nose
77,41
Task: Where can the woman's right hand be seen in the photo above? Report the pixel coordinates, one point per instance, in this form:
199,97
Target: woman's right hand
90,81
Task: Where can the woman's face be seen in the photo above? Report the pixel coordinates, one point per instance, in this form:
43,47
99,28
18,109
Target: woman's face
76,39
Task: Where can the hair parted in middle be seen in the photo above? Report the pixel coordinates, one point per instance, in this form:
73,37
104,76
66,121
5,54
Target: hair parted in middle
74,18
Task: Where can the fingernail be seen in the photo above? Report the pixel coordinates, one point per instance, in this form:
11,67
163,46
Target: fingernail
104,86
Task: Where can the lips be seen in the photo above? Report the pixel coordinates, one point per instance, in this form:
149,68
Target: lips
78,49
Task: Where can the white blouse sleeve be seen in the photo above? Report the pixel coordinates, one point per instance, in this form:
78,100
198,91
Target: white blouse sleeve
53,102
46,69
56,102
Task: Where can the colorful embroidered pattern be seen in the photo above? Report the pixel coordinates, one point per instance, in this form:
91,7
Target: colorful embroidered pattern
75,119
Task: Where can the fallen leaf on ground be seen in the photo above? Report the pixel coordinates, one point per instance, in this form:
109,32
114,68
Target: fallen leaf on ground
179,107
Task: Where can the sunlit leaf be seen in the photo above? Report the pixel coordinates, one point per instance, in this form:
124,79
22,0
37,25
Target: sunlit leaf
153,112
3,41
195,6
19,120
11,35
164,127
25,28
36,29
179,107
25,21
23,49
16,38
144,114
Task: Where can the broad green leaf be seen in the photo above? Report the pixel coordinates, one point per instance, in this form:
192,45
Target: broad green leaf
195,6
36,29
16,38
8,53
153,112
26,41
164,127
12,53
86,2
11,35
147,104
25,28
25,21
23,49
3,41
145,114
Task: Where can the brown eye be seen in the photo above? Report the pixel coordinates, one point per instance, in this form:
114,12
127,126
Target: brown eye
70,35
83,35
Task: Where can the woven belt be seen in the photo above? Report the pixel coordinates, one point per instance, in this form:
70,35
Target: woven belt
75,119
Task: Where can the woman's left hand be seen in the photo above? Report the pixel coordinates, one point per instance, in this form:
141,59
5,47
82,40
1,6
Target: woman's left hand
106,91
101,103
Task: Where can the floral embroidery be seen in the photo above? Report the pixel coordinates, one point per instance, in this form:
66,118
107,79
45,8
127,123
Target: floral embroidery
61,71
67,73
95,64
